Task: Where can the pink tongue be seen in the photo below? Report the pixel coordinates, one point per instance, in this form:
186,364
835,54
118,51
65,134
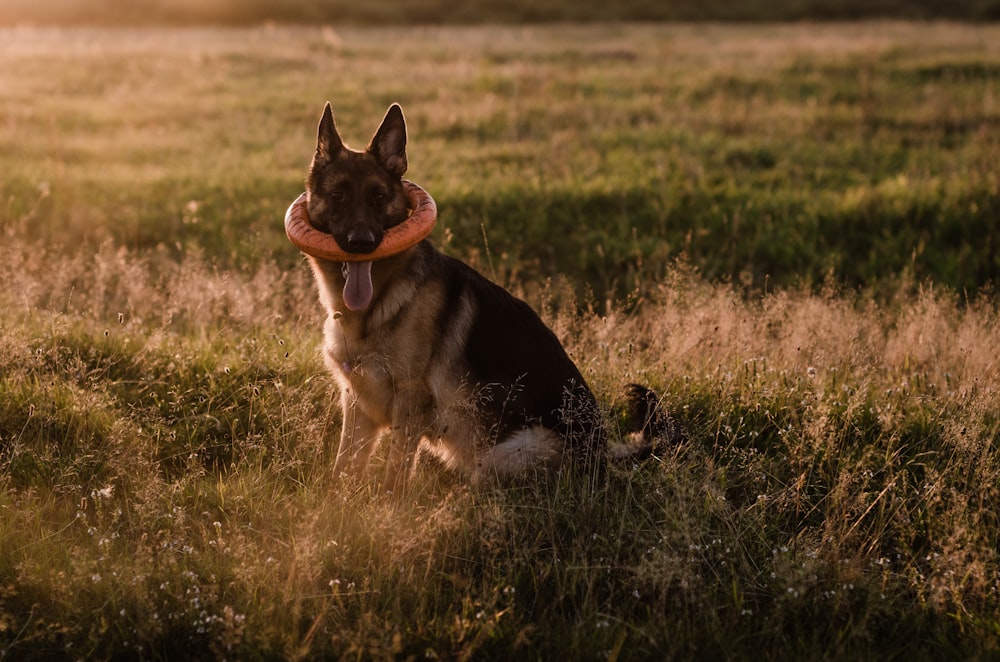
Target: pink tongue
358,288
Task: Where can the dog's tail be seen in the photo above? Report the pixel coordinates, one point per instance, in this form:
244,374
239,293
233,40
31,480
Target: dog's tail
646,427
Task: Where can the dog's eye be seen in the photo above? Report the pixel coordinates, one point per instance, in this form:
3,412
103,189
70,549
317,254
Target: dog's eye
378,197
337,195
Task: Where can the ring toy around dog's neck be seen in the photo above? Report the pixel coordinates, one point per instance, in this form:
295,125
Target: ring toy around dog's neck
397,239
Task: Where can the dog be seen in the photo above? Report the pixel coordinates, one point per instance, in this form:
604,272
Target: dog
429,353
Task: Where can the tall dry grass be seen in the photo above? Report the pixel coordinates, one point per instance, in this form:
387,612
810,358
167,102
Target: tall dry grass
167,487
166,425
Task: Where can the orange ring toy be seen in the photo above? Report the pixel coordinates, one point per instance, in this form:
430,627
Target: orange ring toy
397,239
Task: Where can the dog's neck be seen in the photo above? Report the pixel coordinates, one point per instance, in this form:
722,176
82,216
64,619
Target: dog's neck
390,292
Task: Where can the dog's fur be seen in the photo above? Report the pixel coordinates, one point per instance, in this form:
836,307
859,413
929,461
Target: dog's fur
427,350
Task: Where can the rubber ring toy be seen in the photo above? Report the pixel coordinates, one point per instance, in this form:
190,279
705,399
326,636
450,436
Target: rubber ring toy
409,233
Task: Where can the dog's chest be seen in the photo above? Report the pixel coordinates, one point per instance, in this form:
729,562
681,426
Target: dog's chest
373,365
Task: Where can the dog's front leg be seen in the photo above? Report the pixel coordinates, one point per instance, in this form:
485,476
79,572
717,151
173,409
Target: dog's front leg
402,457
411,419
358,437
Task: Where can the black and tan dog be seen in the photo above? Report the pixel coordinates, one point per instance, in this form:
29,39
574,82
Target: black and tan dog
427,351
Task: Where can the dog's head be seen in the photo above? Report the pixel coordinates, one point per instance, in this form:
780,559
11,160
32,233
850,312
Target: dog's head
357,196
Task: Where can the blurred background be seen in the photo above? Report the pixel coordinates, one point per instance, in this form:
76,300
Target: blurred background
139,12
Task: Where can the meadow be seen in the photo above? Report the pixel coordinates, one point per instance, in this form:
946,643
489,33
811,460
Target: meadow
789,231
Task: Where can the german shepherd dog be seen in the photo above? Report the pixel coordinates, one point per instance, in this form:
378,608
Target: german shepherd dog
431,354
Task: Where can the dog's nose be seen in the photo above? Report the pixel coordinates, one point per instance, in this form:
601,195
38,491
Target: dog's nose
361,241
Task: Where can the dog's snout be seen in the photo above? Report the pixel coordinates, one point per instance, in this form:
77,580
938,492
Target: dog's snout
362,241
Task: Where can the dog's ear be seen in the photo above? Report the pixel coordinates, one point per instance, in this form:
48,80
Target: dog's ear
328,140
388,146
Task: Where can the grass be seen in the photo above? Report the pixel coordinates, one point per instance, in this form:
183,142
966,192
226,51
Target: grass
771,156
787,231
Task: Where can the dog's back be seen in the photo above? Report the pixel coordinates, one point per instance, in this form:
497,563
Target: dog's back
519,364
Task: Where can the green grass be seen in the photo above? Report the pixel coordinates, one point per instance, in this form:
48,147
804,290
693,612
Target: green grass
771,156
787,231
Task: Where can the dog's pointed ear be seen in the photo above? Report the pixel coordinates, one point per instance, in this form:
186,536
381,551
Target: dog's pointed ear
388,145
328,140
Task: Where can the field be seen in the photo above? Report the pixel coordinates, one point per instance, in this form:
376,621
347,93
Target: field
789,231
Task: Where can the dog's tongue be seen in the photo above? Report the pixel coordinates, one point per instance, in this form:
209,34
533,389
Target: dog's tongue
358,288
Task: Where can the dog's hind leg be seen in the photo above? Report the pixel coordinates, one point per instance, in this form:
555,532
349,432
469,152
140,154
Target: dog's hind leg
522,453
